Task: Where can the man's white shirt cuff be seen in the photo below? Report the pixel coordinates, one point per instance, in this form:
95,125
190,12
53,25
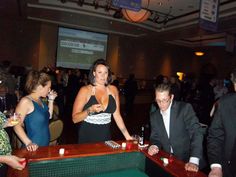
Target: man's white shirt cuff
216,165
194,160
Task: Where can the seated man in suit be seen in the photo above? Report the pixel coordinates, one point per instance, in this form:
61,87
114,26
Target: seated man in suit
221,140
175,129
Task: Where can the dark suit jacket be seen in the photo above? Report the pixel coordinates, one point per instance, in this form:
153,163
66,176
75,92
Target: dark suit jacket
222,134
186,136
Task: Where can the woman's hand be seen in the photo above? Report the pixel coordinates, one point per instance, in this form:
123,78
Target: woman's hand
95,108
52,95
15,162
31,147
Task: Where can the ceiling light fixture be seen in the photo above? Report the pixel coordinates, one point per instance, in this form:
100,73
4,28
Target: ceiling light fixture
133,16
199,53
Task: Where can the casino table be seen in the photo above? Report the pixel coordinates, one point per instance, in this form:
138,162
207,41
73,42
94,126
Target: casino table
98,160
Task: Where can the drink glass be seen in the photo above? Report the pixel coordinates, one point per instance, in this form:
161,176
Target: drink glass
13,118
136,139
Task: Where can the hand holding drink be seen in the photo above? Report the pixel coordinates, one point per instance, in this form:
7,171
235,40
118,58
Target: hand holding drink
12,120
15,119
52,95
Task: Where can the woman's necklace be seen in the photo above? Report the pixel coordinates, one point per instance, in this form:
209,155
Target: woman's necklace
37,100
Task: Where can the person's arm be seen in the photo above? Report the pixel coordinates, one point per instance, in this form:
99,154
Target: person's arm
215,142
51,97
23,108
196,137
193,127
154,136
78,114
13,161
117,116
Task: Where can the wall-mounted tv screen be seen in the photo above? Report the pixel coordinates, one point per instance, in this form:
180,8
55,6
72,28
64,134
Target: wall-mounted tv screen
79,48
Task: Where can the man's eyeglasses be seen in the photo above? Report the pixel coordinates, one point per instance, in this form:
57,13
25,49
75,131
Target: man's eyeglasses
164,101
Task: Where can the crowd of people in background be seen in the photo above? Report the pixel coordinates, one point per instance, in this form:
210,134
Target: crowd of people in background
202,92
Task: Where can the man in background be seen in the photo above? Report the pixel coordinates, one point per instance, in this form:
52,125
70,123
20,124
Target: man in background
221,140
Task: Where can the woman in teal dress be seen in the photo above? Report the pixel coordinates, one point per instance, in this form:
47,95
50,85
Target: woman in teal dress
5,149
35,114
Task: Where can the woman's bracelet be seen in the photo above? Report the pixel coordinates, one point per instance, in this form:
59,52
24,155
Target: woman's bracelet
51,100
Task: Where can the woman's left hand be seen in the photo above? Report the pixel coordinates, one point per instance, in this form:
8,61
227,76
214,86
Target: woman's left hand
52,95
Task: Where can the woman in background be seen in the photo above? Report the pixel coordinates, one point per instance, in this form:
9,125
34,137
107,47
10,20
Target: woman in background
95,104
34,112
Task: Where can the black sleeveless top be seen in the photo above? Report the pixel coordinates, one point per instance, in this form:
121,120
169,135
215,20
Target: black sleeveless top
102,117
96,128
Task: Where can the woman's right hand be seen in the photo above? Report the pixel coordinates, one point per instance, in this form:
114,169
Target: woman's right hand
96,108
31,147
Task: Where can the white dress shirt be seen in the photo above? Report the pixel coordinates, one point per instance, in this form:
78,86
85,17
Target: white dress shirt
166,120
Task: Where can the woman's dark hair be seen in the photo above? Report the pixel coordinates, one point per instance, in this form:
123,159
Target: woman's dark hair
34,79
93,69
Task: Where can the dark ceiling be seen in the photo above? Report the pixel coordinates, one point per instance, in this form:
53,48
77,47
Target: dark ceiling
172,21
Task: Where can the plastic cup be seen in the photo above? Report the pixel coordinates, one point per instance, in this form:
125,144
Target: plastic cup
15,118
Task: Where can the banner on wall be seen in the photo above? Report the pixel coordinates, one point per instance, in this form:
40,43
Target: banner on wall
134,5
209,14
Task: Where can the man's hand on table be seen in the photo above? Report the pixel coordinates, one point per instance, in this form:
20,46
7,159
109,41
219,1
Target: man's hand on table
152,150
